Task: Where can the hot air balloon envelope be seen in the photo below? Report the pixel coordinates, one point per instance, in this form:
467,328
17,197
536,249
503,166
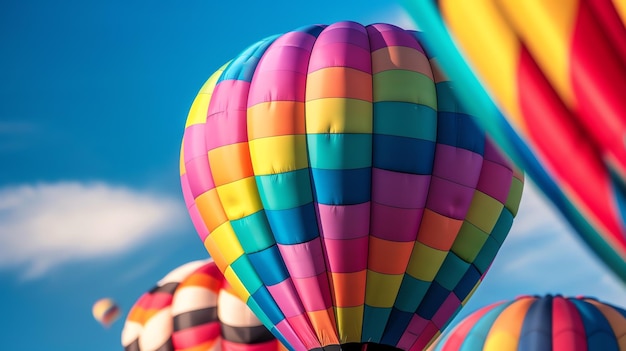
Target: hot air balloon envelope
340,187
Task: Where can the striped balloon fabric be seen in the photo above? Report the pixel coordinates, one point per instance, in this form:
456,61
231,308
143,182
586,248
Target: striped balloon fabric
539,323
343,191
557,72
242,333
183,312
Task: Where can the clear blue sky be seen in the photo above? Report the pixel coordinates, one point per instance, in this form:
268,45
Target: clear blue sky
94,96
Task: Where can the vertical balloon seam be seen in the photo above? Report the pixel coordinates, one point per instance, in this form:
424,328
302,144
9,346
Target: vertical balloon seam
193,320
609,317
168,286
370,271
394,39
567,327
143,317
372,166
251,300
340,318
317,323
384,321
599,325
312,186
334,335
284,317
129,337
158,298
391,318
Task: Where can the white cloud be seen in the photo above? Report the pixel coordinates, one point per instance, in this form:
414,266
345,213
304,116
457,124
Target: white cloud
47,225
542,255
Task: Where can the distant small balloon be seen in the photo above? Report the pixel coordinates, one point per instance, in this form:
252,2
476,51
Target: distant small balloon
106,311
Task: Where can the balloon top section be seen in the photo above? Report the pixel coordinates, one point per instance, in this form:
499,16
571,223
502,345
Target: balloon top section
540,323
342,189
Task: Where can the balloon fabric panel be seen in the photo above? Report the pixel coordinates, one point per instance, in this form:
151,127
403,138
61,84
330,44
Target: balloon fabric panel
325,149
194,309
556,83
149,325
539,323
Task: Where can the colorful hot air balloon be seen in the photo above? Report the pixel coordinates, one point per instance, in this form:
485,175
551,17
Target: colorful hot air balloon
342,190
556,71
105,311
537,323
193,309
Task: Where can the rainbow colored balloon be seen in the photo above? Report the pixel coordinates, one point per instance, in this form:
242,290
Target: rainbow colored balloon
343,191
556,71
538,323
191,309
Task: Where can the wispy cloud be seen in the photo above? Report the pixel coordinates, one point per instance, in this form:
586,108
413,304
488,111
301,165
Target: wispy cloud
46,225
543,255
